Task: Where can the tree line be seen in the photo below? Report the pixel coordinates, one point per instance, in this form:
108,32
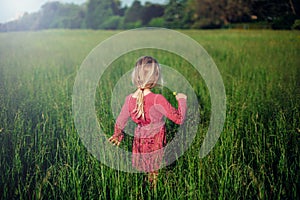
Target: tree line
196,14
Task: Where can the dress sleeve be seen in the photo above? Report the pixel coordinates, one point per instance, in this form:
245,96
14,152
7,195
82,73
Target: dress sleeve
176,115
122,120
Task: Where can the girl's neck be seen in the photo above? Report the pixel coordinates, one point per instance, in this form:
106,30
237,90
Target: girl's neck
146,91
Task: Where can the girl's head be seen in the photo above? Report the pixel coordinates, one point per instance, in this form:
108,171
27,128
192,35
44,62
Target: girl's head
145,75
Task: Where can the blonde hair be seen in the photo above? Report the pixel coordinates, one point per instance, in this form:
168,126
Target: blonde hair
145,75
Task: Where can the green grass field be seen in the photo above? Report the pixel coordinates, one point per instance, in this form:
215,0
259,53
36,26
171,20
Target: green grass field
256,157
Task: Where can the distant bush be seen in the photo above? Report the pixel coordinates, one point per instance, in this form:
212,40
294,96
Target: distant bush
296,25
207,23
157,22
114,22
131,25
252,25
284,22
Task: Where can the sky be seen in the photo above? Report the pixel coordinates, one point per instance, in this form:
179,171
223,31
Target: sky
13,9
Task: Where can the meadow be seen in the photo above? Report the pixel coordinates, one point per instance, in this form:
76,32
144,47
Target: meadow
256,157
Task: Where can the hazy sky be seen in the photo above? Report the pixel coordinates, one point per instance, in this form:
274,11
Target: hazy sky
12,9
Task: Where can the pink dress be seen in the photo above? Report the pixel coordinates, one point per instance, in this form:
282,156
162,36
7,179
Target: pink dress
150,134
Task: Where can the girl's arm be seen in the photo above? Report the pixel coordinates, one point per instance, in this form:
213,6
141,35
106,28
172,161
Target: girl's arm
176,115
120,123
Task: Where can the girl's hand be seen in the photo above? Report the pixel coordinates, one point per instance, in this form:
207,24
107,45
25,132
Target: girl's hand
180,95
114,140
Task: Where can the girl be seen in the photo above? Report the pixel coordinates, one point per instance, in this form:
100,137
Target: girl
147,110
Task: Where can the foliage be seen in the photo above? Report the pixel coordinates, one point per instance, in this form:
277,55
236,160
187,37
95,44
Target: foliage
157,22
114,22
284,22
132,25
98,11
209,13
143,13
151,11
296,25
57,15
175,14
269,9
134,12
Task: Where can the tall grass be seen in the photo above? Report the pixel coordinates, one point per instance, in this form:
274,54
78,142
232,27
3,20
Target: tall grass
256,157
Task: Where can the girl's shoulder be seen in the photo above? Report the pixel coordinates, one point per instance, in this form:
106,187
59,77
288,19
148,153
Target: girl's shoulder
129,98
159,98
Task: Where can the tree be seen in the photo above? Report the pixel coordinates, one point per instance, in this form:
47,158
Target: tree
134,13
116,8
269,9
143,14
210,13
281,14
58,15
49,12
150,11
176,14
98,11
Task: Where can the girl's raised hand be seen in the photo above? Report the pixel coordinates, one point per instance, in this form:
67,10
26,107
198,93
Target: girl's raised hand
114,141
180,95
